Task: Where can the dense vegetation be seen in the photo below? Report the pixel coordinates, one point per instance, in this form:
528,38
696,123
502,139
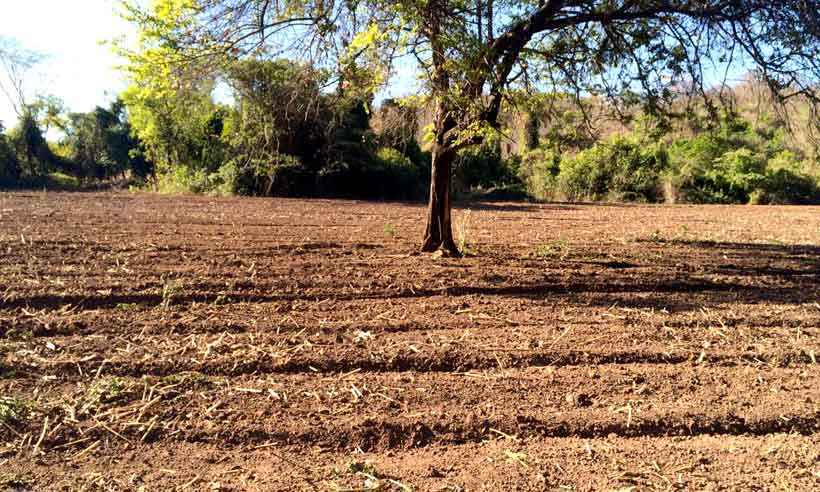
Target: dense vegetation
731,161
93,148
283,135
206,116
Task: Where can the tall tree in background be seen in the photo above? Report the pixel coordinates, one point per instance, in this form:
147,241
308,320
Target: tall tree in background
100,144
31,146
473,52
280,115
16,63
28,138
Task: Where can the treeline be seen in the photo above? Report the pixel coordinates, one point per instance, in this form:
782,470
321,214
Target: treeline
92,148
282,134
280,130
728,160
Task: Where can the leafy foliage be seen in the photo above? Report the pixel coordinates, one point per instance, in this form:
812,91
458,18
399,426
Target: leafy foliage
9,164
483,167
100,144
732,162
621,168
538,172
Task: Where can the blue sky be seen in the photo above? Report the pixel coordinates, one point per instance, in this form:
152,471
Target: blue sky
78,69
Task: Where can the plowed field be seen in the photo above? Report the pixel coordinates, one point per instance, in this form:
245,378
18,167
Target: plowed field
195,343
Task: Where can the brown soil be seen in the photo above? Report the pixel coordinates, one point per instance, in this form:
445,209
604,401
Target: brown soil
153,343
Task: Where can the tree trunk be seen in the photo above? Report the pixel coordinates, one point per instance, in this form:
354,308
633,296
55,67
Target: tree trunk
439,231
438,235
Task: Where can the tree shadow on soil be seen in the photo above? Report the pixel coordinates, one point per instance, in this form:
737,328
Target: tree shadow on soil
787,275
676,295
752,259
512,206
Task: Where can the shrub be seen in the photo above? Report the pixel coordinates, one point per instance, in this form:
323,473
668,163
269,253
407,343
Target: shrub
9,165
181,179
783,186
735,164
484,167
386,174
227,180
785,159
394,175
538,171
693,176
621,169
282,176
736,174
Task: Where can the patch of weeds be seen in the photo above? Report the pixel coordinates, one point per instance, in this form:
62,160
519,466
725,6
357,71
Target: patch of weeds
517,457
222,299
13,410
127,306
19,334
194,378
556,249
657,236
106,390
170,291
362,467
389,230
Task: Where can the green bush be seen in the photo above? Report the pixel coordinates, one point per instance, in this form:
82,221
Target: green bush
785,187
736,163
619,169
9,165
484,167
226,180
181,179
538,170
284,175
785,159
736,173
394,175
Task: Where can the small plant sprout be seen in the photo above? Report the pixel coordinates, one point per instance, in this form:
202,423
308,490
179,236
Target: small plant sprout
104,390
12,410
363,337
170,290
557,249
389,230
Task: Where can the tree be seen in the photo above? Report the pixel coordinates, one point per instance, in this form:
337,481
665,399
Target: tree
50,112
31,145
16,62
473,52
101,145
9,164
169,103
282,118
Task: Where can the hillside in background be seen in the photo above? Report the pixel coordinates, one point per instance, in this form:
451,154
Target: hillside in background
735,146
